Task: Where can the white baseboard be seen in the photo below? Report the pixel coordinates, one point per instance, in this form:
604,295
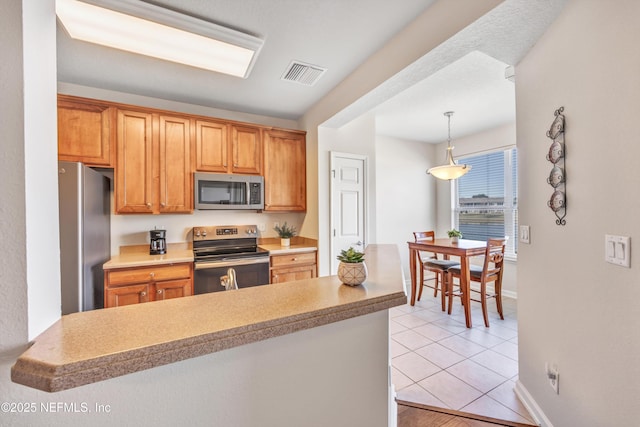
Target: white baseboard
527,400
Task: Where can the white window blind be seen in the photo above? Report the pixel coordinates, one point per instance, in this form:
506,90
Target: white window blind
486,198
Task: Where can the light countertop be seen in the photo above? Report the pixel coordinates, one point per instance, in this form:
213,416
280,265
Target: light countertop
138,255
88,347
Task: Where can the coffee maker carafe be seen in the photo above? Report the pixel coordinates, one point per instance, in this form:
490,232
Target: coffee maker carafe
158,245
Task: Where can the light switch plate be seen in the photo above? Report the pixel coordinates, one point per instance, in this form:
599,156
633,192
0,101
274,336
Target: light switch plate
524,234
617,250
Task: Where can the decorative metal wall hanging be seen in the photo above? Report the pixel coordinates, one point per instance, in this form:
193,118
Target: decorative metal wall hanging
557,177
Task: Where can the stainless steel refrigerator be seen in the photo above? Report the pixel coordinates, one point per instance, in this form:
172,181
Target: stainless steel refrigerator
85,242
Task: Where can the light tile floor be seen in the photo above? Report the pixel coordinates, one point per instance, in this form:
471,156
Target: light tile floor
437,361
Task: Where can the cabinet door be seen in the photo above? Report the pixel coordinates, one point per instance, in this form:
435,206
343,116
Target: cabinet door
281,275
175,165
134,174
173,289
246,149
285,172
126,295
211,146
85,132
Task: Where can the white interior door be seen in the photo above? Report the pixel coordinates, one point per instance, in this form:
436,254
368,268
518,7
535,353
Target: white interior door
348,185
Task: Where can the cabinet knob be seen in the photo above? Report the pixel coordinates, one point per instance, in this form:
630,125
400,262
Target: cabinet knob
159,291
152,274
149,205
294,259
162,204
143,294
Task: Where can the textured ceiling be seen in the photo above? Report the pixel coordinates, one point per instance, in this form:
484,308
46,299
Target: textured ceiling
464,74
335,34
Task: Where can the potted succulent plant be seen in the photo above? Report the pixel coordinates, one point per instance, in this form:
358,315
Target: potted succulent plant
352,270
286,233
455,235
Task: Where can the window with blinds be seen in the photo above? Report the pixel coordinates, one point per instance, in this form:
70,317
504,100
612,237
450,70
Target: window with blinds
486,198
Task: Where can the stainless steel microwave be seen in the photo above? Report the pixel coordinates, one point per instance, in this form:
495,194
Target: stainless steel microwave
228,191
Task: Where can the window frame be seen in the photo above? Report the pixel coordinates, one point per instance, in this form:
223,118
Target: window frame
510,204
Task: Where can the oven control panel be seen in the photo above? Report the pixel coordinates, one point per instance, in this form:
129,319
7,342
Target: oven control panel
224,232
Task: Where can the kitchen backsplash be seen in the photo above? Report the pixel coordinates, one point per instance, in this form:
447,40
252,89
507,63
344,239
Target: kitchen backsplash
134,229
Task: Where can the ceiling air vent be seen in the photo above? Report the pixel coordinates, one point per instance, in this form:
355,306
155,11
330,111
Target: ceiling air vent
302,73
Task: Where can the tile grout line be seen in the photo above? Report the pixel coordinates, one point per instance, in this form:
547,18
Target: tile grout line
454,328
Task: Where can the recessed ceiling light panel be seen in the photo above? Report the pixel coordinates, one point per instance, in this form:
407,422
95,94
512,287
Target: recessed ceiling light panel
160,33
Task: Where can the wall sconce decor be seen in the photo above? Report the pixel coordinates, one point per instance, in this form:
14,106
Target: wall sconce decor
557,176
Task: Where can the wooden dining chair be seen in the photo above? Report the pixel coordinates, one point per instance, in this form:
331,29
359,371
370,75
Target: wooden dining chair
491,271
430,262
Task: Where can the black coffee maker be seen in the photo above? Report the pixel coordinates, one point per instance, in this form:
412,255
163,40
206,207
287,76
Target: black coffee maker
158,245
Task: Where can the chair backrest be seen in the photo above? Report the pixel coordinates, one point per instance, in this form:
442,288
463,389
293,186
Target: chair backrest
422,236
494,257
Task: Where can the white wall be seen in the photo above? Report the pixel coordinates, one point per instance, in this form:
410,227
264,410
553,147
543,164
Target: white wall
439,22
29,257
357,137
333,375
406,195
574,309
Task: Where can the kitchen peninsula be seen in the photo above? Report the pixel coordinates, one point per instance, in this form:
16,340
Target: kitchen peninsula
310,352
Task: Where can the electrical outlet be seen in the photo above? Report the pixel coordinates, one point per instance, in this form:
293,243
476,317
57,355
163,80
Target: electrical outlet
262,227
553,376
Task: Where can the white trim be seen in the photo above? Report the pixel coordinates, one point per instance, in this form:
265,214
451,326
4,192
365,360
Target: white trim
531,405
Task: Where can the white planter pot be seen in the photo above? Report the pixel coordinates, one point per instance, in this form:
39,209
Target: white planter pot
454,240
285,242
352,274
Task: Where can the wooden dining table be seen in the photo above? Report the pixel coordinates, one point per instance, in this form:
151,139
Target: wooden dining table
464,249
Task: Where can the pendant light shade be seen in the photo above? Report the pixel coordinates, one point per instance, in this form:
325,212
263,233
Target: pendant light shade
451,170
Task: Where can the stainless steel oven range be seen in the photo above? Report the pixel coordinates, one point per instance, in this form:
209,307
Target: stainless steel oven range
216,249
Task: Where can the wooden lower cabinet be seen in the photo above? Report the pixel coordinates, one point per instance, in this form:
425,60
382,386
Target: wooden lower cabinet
125,286
293,266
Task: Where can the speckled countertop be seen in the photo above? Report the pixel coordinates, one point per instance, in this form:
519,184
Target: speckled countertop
84,348
138,255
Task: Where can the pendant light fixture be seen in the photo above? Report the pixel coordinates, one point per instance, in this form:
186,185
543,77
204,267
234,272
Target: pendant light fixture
452,170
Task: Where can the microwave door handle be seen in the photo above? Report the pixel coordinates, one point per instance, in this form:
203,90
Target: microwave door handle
248,188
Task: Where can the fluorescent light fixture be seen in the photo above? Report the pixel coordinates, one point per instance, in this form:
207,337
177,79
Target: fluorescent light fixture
146,29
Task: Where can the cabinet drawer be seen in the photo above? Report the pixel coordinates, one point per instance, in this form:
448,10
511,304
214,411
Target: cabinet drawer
148,274
298,258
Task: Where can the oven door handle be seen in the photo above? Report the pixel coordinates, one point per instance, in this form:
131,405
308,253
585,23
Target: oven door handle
231,262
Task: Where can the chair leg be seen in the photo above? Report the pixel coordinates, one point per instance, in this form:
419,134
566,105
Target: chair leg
421,283
444,290
498,290
450,291
435,286
483,301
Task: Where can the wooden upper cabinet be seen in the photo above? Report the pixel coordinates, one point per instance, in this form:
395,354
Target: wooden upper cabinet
211,146
153,172
85,132
175,164
228,148
285,176
246,150
133,185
